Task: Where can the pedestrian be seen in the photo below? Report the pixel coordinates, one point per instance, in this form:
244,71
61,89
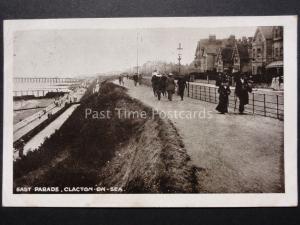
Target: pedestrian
21,148
170,86
135,79
154,82
163,84
159,86
140,77
121,81
275,83
241,90
181,86
219,79
281,82
224,92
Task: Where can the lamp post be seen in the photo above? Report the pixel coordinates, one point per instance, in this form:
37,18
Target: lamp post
179,56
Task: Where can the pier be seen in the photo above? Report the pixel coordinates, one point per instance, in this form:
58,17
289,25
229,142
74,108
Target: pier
45,80
39,93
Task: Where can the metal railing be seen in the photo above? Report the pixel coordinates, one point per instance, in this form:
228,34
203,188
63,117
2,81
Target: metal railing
269,105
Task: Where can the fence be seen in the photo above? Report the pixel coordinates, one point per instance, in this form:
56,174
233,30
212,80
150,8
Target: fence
269,105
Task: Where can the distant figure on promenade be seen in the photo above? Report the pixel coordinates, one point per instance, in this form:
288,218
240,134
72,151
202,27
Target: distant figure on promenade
135,79
140,77
224,92
219,79
121,81
127,76
159,86
154,82
241,90
281,82
163,84
181,86
170,86
275,83
21,148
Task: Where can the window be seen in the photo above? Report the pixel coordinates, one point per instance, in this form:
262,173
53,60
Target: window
276,52
254,70
253,54
281,51
258,52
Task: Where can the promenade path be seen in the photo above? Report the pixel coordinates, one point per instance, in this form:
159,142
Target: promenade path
232,153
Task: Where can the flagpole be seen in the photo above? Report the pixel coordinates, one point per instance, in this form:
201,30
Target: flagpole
137,53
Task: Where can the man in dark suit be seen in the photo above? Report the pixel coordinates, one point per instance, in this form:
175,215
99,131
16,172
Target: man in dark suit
241,90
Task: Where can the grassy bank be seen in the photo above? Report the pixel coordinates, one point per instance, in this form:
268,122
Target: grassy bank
137,154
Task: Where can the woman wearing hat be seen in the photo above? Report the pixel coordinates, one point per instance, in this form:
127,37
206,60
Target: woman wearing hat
224,92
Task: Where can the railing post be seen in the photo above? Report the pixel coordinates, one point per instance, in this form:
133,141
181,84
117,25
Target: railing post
253,103
215,95
192,91
208,94
265,113
277,106
200,92
188,89
204,93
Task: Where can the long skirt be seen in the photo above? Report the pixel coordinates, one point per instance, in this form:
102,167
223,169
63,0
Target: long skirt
222,107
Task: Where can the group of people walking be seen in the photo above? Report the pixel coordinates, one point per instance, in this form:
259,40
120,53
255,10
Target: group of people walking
242,88
165,85
137,79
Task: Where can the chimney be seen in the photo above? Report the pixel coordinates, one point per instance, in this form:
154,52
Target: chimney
212,37
232,37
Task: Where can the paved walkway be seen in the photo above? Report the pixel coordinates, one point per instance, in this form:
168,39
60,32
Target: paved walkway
234,153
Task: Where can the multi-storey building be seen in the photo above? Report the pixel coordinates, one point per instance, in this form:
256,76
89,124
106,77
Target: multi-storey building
234,57
275,68
206,53
224,60
262,48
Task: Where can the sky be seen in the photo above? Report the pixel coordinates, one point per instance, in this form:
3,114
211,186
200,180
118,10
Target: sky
69,53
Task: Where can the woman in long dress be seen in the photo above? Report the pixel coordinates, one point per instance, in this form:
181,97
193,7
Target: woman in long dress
224,92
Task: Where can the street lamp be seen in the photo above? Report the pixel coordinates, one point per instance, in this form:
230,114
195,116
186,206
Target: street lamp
179,56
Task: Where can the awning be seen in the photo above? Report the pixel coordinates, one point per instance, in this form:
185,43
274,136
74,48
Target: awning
275,64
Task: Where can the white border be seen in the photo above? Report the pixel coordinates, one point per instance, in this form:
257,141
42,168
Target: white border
289,198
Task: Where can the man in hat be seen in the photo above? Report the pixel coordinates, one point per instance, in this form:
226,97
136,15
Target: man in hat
181,86
170,86
241,90
135,79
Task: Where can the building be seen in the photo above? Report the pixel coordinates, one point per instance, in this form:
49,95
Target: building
262,49
276,66
241,56
206,53
235,56
267,51
224,62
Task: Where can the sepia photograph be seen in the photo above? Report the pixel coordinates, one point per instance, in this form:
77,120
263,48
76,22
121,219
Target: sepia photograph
138,112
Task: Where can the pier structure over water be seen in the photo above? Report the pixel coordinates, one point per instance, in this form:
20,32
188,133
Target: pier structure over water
45,80
39,93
